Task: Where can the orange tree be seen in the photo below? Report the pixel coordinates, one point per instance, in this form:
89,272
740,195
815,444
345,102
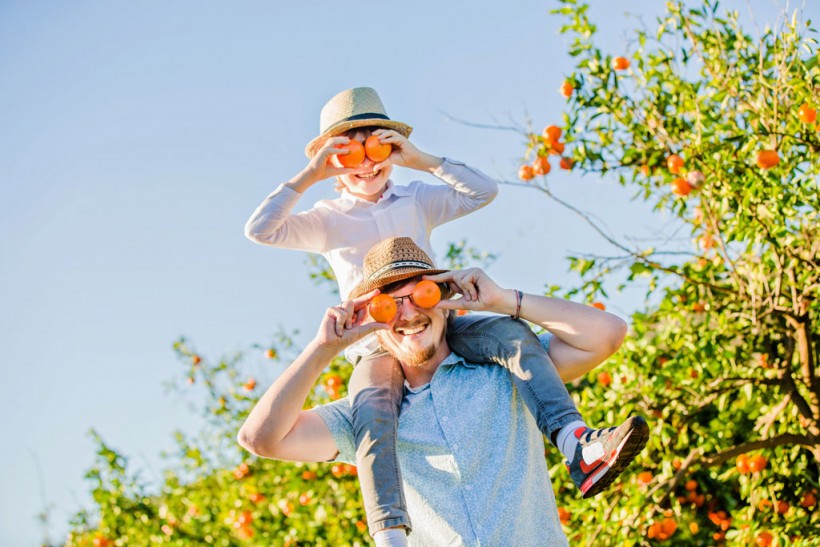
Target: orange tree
213,492
718,131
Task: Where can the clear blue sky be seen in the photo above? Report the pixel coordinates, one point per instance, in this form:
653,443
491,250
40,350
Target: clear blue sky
137,137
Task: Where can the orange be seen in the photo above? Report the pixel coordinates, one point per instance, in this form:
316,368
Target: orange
196,359
552,133
763,539
566,89
605,379
270,353
375,150
250,384
245,517
355,155
707,241
541,165
620,63
382,308
566,163
644,477
691,485
526,172
556,148
757,463
681,187
806,114
564,515
782,507
809,500
742,464
333,381
599,305
426,294
766,159
674,163
668,526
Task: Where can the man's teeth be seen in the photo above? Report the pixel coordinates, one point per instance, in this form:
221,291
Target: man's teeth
368,176
409,331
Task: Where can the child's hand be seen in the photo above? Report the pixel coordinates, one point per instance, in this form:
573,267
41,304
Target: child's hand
405,153
321,166
478,292
346,323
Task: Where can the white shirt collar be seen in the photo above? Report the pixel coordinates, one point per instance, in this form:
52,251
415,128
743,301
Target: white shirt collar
390,189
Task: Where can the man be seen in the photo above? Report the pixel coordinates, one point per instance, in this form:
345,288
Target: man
471,456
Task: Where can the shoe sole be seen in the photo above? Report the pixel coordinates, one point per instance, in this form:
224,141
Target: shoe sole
629,448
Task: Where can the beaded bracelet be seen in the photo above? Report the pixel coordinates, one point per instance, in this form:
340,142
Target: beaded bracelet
519,296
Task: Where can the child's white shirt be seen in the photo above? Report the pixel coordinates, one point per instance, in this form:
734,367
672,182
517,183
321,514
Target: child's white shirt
344,229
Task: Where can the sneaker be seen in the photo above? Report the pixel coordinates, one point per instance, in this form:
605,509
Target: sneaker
602,454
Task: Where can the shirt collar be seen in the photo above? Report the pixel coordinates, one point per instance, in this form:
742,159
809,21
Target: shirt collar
391,189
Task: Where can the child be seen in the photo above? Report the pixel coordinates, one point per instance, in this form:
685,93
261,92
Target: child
372,208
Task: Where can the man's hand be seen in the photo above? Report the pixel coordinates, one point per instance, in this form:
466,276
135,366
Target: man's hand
478,292
346,323
405,153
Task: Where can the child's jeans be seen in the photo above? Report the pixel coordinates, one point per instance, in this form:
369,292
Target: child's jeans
377,386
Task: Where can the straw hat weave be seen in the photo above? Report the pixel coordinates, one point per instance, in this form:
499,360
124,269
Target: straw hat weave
357,107
392,260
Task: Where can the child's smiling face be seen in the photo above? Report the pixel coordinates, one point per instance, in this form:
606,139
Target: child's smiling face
372,177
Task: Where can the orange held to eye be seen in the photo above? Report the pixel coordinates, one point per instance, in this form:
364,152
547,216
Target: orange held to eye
354,157
426,294
375,150
382,308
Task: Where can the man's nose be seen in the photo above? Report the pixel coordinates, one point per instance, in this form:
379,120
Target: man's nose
407,310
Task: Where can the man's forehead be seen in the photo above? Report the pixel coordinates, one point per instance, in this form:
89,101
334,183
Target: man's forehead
399,286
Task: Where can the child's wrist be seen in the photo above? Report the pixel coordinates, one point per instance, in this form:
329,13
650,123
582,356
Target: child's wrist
301,182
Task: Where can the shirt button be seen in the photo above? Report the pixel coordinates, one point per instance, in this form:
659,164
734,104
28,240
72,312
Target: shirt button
468,487
455,447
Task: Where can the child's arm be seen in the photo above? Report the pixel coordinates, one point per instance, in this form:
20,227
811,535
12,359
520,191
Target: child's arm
465,189
272,224
583,336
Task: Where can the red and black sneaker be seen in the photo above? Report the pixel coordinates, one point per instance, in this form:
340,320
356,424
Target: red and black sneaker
603,454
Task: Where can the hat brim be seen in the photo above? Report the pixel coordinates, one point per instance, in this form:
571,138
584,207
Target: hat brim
341,127
397,275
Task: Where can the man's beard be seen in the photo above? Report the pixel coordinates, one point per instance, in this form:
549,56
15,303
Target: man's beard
411,357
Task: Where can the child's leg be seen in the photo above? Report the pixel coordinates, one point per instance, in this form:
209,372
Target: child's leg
513,345
595,457
376,388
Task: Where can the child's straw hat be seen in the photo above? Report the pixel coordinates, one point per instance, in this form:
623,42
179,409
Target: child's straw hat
357,107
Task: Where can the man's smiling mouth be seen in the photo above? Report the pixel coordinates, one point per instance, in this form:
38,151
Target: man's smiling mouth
411,330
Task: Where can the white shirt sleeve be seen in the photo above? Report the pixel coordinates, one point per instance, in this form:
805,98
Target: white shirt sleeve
465,190
272,224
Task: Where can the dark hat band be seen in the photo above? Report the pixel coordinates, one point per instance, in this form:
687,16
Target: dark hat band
366,116
397,265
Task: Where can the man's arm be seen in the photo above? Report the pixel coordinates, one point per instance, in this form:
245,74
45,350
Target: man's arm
583,336
277,427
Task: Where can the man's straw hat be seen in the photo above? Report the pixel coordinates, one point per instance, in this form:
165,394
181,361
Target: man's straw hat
357,107
392,260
